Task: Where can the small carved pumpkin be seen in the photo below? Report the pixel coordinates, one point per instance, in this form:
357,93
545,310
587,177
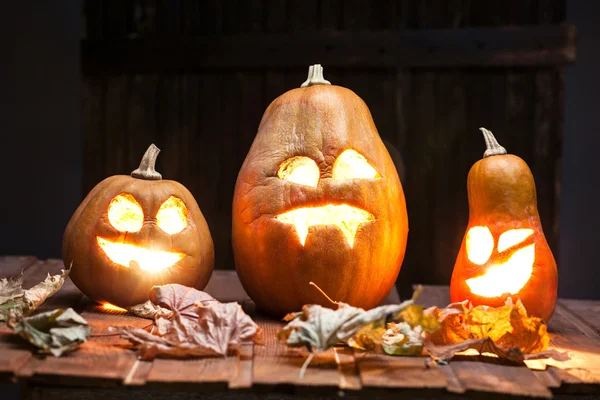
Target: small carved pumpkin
318,199
133,232
504,252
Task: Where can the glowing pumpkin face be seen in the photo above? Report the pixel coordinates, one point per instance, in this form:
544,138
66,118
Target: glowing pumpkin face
504,252
318,199
133,232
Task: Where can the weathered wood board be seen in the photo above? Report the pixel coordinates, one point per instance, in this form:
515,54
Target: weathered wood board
107,361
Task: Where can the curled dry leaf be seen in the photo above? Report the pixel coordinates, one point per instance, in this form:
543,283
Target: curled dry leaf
506,331
319,328
14,297
149,310
54,332
402,339
208,328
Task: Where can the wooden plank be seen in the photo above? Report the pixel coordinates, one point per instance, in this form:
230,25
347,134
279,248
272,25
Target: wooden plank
141,128
94,103
587,311
525,46
226,287
490,375
117,114
13,265
382,371
104,360
571,333
275,365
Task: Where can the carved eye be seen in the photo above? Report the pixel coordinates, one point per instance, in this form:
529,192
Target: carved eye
480,244
513,237
352,165
172,216
125,214
300,170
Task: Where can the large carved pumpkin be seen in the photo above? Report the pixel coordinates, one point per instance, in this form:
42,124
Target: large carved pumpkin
318,199
504,251
133,232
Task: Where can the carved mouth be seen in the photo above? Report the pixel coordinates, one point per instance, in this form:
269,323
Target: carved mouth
128,255
347,218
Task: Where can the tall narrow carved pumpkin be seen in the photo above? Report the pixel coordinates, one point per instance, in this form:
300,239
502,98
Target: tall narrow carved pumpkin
504,252
318,199
133,232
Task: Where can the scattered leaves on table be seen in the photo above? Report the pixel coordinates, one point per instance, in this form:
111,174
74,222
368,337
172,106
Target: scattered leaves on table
54,332
319,328
189,323
14,297
507,326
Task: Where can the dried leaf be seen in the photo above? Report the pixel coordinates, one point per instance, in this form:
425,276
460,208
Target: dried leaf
319,328
54,332
13,297
177,297
208,328
507,326
402,339
35,296
11,289
368,337
149,310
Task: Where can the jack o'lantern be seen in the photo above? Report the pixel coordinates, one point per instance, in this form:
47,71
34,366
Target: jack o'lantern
318,199
504,252
133,232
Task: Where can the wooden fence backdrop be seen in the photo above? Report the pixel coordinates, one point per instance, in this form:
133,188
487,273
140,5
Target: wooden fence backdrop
194,77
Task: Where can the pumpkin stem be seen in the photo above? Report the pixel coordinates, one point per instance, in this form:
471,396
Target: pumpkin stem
323,293
315,76
493,148
146,169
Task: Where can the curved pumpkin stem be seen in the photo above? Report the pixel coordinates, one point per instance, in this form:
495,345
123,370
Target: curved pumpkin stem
493,148
315,76
146,169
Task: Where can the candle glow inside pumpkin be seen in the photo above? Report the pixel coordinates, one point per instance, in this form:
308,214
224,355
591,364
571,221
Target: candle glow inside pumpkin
305,171
510,272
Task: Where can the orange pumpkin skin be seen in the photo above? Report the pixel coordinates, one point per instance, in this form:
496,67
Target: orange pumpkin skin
104,281
502,196
319,122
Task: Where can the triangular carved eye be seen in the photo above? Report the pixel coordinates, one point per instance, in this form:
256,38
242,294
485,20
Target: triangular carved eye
172,216
301,170
352,165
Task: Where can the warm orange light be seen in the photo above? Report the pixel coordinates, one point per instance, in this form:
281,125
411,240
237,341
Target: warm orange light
125,213
172,216
480,244
301,170
500,278
346,218
112,307
352,165
147,260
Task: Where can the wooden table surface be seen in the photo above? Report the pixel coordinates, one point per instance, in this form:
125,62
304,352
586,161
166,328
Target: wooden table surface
106,368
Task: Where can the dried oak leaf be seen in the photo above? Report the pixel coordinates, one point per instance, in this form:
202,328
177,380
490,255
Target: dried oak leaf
54,332
14,297
506,331
189,323
166,299
319,328
205,328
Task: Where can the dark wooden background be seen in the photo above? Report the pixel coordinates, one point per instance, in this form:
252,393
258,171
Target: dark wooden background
194,77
